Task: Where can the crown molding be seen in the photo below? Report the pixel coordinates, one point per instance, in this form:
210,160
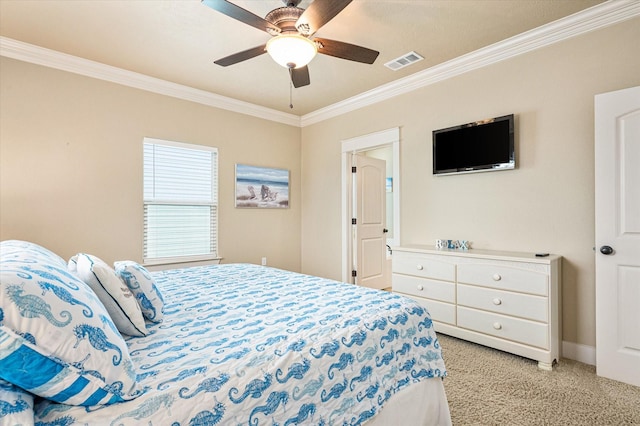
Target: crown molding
605,14
594,18
50,58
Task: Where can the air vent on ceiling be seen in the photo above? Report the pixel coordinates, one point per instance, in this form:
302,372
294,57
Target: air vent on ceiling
403,61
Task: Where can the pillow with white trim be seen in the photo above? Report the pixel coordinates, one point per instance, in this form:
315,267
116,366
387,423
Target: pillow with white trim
113,293
16,405
141,284
72,265
56,337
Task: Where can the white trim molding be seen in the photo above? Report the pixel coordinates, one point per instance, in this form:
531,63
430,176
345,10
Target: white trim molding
602,15
372,140
50,58
605,14
579,352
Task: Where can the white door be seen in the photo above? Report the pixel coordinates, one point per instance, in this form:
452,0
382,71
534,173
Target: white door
370,239
617,196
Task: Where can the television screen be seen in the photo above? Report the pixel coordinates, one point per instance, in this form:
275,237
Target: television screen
480,146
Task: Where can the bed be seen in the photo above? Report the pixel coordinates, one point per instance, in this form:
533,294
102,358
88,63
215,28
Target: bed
235,344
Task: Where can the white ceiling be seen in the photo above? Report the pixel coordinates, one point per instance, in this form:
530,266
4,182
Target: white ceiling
178,40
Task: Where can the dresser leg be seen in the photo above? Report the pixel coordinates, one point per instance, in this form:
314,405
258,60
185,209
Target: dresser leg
545,366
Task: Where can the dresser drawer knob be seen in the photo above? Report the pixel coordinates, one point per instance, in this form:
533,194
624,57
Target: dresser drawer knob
497,277
420,287
497,325
497,301
419,267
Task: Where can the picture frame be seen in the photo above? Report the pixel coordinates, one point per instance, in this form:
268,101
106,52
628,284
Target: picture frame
261,187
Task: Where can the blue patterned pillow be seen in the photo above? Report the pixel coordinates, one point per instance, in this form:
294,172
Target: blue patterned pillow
113,293
56,338
141,284
16,405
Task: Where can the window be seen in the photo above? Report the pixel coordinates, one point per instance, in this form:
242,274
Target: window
180,201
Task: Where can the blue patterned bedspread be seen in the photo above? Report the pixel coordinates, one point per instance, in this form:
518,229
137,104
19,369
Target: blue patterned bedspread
249,345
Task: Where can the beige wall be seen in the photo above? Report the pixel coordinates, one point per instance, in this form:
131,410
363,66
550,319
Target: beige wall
71,166
546,204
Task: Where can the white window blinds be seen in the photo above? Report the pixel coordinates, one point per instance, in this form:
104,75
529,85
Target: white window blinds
180,201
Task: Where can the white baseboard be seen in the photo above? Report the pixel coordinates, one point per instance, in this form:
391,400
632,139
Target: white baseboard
578,352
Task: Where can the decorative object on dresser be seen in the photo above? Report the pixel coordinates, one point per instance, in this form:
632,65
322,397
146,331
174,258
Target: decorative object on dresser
453,244
506,300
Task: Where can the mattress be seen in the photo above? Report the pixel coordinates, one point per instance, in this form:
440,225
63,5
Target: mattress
246,344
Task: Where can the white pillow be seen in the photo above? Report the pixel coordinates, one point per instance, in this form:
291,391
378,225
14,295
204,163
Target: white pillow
141,284
72,265
113,293
56,338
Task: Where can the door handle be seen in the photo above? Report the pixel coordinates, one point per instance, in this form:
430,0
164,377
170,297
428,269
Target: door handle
606,250
385,230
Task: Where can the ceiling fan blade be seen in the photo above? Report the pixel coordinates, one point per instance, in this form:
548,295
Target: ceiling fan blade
300,76
242,15
347,51
241,56
319,13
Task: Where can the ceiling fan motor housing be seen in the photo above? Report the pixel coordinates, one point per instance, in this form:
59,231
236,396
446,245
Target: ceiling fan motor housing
285,18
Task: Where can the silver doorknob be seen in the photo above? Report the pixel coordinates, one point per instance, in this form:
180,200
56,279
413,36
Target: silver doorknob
606,250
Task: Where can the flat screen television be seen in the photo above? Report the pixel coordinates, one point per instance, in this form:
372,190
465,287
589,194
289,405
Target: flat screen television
485,145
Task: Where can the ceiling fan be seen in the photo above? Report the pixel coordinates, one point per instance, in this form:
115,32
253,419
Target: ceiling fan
292,29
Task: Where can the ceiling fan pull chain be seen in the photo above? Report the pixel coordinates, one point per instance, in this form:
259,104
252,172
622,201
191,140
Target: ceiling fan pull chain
290,88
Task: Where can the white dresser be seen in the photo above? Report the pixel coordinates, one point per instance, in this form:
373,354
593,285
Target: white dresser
505,300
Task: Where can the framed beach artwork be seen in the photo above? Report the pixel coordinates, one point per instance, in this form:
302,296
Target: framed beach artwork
261,187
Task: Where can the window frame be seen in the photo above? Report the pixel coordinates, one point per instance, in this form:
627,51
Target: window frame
214,204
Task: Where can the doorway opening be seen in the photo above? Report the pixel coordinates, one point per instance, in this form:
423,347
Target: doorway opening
385,144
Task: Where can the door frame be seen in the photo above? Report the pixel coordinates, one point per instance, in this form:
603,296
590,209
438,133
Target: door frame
350,147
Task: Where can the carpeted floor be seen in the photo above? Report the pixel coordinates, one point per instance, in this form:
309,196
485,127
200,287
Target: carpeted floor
489,387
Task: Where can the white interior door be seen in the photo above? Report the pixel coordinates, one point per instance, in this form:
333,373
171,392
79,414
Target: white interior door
617,172
350,147
370,207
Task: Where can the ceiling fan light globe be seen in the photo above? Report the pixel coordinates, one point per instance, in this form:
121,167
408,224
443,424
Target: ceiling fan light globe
288,49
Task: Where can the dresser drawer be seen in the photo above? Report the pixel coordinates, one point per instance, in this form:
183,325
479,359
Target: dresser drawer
409,264
439,311
423,287
515,329
504,277
503,302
